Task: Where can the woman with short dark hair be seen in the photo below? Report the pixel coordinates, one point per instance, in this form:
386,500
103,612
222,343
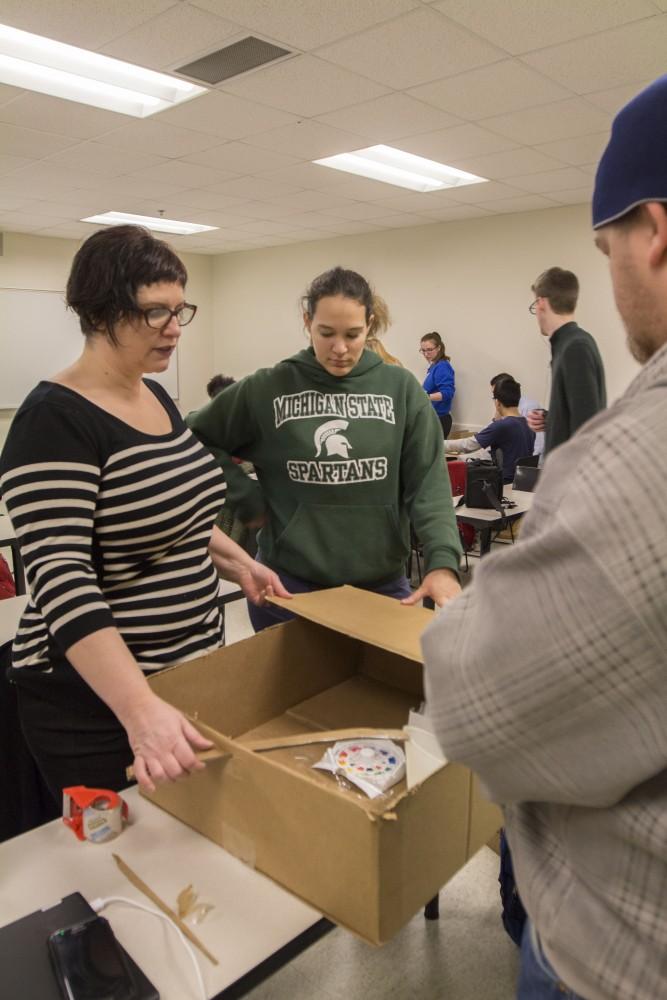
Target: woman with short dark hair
113,502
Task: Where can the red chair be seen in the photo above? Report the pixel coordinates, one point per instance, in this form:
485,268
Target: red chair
457,478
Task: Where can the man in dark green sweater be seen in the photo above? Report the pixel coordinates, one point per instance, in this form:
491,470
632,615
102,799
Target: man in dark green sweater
577,374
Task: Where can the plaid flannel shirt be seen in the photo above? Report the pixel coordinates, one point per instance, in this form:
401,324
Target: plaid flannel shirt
548,677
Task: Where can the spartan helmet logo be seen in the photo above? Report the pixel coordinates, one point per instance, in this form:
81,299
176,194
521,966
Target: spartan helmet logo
329,435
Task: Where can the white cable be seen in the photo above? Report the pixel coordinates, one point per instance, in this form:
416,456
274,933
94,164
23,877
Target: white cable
99,904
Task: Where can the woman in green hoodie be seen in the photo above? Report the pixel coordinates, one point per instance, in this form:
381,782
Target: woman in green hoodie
347,452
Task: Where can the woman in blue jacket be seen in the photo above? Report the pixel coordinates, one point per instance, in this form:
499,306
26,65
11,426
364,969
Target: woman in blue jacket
439,381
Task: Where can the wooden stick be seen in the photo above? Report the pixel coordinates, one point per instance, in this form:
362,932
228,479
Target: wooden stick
325,736
139,884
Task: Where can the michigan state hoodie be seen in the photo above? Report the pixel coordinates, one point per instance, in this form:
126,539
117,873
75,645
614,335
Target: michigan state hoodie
343,465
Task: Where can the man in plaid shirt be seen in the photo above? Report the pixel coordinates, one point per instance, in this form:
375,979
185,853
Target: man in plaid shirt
568,727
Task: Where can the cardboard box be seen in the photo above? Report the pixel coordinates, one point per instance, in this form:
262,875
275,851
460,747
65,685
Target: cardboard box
352,658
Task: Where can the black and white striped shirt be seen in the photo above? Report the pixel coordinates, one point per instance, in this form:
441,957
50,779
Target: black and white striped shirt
113,526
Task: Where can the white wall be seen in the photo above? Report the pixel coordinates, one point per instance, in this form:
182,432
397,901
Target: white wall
38,262
468,280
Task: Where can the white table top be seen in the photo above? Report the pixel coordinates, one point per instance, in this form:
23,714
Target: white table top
11,610
7,533
522,499
252,918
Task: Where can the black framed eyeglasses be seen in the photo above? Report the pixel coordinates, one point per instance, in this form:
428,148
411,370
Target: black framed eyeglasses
157,317
532,308
427,350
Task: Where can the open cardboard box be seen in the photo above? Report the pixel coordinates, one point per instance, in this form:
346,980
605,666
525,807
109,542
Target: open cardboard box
352,658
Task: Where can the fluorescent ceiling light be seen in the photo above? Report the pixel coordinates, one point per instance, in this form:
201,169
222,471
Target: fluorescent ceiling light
36,63
393,166
158,225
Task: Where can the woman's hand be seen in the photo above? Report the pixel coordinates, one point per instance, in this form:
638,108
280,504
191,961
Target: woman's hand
441,585
164,743
259,582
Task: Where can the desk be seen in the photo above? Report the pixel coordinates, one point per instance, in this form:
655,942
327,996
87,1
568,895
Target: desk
9,540
253,918
11,610
488,519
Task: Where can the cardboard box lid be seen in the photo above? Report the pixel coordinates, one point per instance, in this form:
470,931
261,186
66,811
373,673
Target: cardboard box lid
361,614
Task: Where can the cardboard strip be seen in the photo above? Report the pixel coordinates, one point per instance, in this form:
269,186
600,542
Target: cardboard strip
204,755
325,736
139,884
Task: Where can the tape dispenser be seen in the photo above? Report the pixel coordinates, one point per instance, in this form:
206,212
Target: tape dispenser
94,814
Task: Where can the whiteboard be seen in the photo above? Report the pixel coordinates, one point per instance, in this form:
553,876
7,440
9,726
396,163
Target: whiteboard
39,337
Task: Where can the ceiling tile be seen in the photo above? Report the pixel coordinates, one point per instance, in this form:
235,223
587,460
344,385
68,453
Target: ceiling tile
304,86
242,158
306,24
532,24
264,226
576,196
51,114
8,93
411,50
105,159
561,120
46,179
75,207
491,90
578,151
261,210
225,115
174,38
522,203
257,188
205,199
550,180
351,228
476,193
65,20
498,166
390,117
634,52
186,175
11,202
309,201
453,213
401,220
11,163
159,138
616,98
69,230
307,220
133,187
27,219
463,140
30,143
356,211
309,140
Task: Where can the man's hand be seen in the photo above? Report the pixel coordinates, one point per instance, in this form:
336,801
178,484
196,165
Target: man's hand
259,582
537,420
440,584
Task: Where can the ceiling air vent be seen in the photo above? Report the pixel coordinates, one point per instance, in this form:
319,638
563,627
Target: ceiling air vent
234,59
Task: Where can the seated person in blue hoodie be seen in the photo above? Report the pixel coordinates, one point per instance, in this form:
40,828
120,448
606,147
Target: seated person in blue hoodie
508,432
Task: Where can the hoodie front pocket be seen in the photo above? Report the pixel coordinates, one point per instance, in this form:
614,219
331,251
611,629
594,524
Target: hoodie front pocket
334,544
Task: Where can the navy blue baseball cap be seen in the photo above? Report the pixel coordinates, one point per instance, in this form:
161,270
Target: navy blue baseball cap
633,168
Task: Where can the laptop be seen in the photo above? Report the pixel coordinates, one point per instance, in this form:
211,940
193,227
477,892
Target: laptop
24,957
